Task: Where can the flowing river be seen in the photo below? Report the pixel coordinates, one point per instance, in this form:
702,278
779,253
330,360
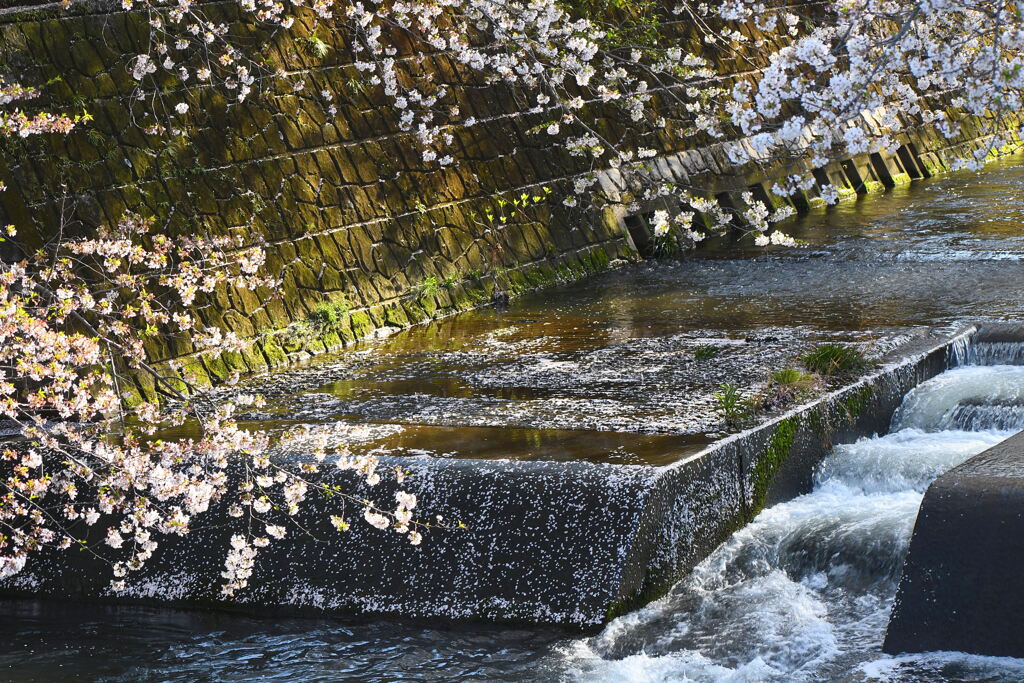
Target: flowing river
804,592
801,594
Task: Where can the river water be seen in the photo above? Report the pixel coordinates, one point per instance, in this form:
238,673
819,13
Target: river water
579,371
801,594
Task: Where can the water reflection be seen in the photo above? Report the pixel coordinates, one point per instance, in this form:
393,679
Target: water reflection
615,352
48,642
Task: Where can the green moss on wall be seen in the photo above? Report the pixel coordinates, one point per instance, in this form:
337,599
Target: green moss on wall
853,404
350,216
775,454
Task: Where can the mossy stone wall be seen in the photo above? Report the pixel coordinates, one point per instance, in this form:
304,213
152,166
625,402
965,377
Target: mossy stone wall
363,233
352,218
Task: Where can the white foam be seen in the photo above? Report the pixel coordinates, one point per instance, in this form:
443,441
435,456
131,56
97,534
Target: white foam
675,668
944,666
907,460
807,586
930,405
782,625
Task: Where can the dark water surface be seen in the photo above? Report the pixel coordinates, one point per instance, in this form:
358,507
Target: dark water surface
584,371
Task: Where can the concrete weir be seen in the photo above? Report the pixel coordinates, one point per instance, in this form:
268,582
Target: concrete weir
571,543
960,585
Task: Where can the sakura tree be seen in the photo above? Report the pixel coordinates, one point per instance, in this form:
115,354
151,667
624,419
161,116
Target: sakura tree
75,315
778,84
74,319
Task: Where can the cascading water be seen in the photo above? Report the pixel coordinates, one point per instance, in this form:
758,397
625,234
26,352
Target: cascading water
801,594
991,353
804,592
986,396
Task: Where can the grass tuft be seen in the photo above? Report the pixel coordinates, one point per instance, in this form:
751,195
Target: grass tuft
792,380
703,352
834,359
736,410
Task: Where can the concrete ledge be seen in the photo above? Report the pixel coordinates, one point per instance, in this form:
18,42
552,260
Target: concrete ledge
962,582
548,542
545,543
770,463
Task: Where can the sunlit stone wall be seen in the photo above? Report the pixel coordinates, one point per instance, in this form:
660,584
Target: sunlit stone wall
356,224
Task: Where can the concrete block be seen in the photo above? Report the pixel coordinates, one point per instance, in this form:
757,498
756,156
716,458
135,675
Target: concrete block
961,587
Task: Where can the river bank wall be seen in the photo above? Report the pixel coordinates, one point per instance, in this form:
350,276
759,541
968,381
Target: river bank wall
365,236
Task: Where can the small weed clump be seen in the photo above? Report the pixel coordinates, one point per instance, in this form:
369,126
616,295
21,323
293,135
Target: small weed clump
428,287
328,315
834,359
793,379
703,352
788,385
665,245
736,409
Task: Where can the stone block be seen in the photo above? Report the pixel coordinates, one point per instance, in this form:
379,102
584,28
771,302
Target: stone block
961,587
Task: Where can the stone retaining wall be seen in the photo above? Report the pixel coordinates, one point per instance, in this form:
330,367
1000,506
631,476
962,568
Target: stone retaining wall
365,235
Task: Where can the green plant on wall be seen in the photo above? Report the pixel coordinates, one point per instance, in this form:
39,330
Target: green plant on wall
329,315
356,86
428,287
315,46
508,208
736,409
504,211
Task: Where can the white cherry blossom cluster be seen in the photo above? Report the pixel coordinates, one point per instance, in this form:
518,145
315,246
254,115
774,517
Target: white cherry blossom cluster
74,321
815,73
15,122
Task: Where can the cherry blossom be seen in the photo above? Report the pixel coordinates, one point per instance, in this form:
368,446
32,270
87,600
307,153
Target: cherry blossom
816,82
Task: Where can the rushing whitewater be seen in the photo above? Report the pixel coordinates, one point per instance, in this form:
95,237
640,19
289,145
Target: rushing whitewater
804,592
